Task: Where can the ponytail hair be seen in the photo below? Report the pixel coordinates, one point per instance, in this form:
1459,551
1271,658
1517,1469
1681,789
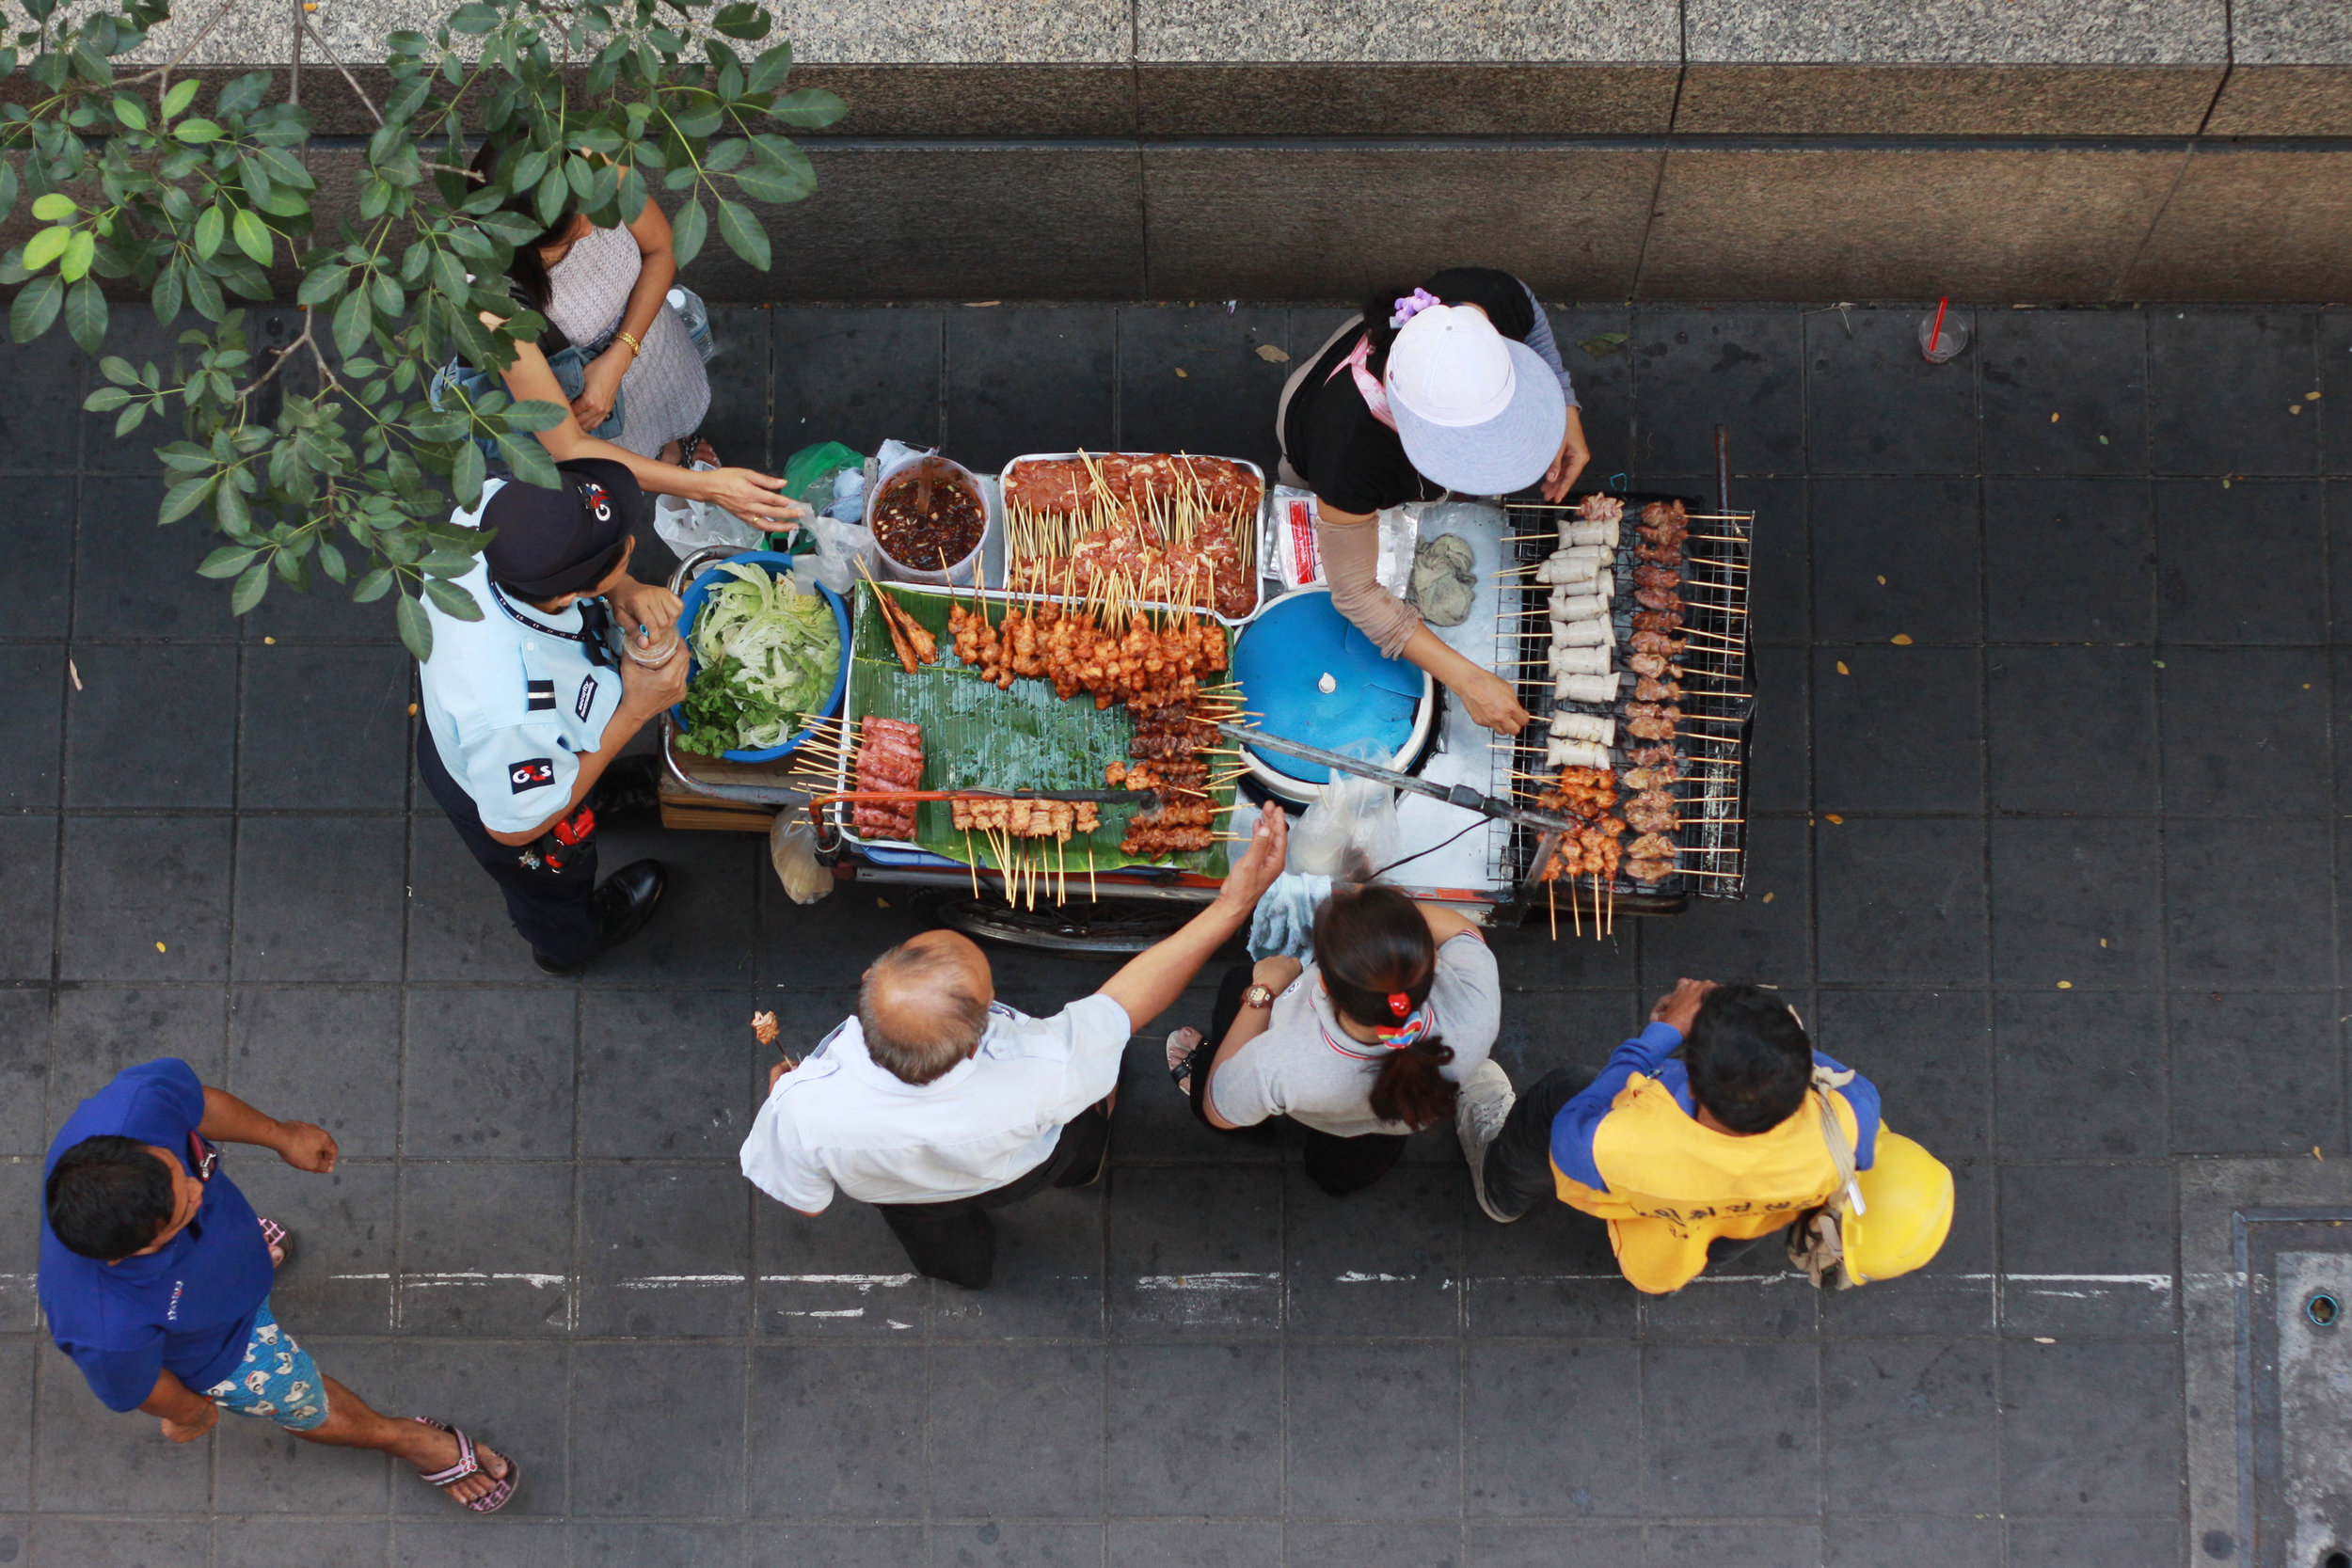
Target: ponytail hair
527,273
1373,948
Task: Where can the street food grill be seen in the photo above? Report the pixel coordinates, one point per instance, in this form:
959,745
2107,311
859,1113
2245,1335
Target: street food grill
1633,658
1159,527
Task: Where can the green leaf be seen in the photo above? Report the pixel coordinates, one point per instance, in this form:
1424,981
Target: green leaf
117,370
743,235
85,315
130,111
387,294
1600,346
46,246
353,322
809,108
210,225
249,589
54,207
79,252
742,21
467,473
204,294
554,191
253,236
105,400
236,518
226,561
531,417
168,295
331,562
321,286
451,600
35,309
197,132
7,187
130,419
184,497
371,587
530,462
688,230
183,93
415,628
472,19
765,181
772,68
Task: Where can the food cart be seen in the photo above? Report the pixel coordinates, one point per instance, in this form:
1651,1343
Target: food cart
1500,871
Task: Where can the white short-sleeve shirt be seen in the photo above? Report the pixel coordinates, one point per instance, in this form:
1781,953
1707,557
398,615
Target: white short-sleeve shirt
840,1119
1305,1067
513,699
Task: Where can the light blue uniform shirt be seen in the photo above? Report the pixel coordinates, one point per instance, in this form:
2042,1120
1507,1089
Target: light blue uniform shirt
510,700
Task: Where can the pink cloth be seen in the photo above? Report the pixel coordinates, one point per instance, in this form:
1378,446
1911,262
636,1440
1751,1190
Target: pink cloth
1375,395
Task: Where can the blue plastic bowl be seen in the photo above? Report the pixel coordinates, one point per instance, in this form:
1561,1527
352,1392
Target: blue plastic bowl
777,566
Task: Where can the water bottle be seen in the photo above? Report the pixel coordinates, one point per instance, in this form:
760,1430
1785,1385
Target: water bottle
696,315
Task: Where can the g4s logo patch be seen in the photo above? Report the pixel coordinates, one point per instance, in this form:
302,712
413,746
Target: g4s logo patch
531,774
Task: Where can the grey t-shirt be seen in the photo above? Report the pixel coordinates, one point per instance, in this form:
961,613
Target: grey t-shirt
1306,1068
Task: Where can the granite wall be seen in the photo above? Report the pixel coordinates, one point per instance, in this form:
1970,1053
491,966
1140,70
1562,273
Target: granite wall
2002,150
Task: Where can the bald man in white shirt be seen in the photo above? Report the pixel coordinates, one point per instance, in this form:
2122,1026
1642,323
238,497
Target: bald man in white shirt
936,1102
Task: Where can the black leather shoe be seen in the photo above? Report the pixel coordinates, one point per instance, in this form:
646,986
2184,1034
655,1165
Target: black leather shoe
626,900
560,972
629,794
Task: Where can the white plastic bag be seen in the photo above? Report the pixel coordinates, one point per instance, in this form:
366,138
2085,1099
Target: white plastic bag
792,851
1348,834
839,547
687,526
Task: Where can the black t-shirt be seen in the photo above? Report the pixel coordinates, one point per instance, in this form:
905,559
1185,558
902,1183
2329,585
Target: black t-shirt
1355,463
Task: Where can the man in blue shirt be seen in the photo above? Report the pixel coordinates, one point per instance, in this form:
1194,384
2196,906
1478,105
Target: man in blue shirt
155,1277
528,704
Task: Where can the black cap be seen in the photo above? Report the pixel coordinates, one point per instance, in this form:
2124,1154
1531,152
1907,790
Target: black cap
555,541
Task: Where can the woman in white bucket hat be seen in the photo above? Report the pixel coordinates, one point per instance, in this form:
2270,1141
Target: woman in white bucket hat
1456,386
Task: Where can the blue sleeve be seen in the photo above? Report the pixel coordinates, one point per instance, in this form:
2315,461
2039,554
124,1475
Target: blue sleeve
1863,1096
1547,348
1572,1129
121,1379
166,1104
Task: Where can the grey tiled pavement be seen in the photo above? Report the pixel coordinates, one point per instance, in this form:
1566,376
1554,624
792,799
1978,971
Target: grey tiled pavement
2059,873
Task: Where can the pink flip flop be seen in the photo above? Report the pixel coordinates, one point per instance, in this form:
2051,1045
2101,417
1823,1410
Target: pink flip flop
490,1501
279,1239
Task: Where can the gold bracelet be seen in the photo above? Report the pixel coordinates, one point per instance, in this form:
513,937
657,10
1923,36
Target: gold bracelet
635,348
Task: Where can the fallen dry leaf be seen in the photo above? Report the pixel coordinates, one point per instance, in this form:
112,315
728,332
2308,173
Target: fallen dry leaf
1768,898
270,641
412,710
75,670
2066,984
1841,668
1273,356
2295,408
1901,639
2311,397
1882,582
1834,817
161,948
2054,418
1180,371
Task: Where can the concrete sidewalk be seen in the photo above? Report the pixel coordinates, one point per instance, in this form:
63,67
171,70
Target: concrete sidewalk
2058,874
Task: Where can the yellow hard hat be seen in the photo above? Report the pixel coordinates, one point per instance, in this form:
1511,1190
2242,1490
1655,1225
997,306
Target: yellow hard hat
1908,1196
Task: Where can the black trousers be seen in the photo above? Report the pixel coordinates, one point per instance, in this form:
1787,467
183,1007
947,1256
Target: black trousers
1337,1165
956,1241
550,909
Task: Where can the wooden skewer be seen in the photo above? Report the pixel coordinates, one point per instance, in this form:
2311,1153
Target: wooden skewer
1551,902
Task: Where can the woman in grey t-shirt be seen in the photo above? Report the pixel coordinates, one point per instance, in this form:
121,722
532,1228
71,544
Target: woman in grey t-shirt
1361,1047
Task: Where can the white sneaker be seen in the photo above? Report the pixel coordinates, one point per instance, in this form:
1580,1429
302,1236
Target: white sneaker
1479,1107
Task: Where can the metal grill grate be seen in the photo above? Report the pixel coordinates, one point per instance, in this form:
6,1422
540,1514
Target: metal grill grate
1717,703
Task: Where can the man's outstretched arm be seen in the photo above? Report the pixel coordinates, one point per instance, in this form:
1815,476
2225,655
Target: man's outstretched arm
1152,981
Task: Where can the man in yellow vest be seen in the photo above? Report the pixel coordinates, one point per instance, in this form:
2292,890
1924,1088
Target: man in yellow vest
1724,1144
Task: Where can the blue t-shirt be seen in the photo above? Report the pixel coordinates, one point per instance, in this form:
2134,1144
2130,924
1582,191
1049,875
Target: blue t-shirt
188,1307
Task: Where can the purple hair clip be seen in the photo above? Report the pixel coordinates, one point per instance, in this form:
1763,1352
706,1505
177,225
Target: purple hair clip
1411,306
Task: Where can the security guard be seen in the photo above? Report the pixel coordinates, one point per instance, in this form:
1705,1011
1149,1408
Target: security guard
526,708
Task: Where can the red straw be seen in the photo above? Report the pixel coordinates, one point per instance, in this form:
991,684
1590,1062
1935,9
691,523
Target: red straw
1937,330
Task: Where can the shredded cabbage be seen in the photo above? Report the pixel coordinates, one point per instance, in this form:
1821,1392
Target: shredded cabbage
769,653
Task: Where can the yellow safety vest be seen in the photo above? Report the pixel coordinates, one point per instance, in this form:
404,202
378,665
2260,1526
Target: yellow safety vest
1674,1185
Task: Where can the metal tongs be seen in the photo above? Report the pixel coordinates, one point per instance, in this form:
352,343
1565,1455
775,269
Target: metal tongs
1453,795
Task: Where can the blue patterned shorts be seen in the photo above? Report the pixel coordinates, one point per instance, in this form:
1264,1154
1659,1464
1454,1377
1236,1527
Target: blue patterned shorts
279,1380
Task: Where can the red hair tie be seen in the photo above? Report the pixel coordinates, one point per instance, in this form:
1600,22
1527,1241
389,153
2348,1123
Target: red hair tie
1400,1004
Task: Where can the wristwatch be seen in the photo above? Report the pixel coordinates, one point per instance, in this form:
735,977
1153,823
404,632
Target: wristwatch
1258,996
